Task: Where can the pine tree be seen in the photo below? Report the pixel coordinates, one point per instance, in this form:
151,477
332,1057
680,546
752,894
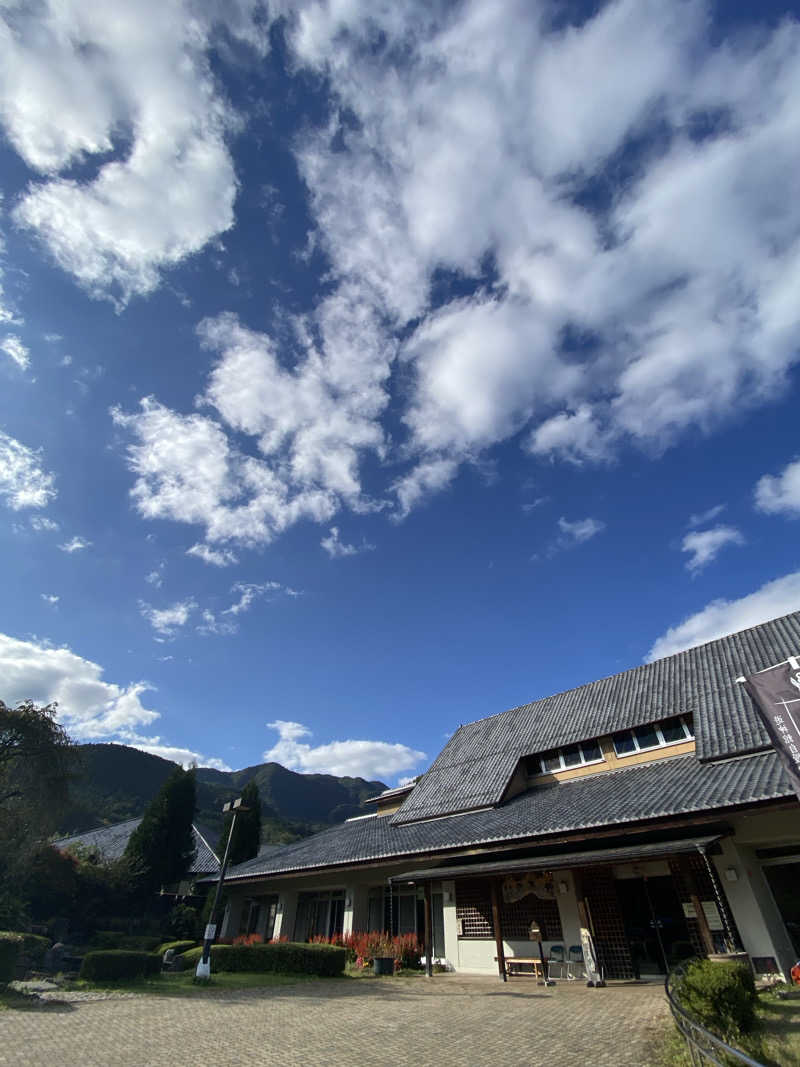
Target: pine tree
162,845
247,833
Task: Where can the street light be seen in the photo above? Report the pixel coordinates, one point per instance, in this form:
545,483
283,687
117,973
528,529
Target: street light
204,963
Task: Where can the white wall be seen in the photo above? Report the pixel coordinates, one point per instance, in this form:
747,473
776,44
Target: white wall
753,906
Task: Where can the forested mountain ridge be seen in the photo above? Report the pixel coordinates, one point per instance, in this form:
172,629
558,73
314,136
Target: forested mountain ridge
116,782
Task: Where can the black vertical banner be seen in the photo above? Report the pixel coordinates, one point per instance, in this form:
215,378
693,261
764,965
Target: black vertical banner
776,693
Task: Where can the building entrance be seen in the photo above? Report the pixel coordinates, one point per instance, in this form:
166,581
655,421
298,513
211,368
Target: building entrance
654,923
784,881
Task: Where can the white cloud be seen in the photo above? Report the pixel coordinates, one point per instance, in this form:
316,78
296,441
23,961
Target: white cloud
218,557
156,576
75,544
365,759
336,548
780,494
50,598
721,617
703,517
24,483
88,707
581,529
41,523
480,149
77,83
166,621
250,591
16,351
185,756
211,625
704,546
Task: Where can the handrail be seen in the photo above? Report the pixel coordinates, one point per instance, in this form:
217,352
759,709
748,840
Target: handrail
704,1046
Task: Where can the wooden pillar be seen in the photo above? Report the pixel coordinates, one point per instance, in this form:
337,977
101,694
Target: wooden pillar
694,896
584,917
498,932
428,932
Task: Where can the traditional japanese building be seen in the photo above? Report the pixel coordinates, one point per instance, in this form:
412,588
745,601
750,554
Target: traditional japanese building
647,807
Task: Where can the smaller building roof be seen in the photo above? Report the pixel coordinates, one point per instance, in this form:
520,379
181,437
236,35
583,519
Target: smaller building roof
110,842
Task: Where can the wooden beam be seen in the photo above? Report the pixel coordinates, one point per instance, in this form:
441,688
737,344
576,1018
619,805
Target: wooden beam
498,931
694,896
428,932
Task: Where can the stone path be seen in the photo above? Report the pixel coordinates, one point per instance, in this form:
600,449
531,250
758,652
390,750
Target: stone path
445,1021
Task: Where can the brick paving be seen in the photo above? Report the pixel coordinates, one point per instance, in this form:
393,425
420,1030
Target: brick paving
447,1020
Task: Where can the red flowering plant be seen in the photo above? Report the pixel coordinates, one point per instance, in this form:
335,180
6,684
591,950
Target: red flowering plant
362,947
248,939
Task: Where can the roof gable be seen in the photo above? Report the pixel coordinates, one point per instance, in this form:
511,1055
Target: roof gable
474,768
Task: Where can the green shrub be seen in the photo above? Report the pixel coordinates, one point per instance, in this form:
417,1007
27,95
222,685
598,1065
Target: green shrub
34,947
721,996
10,948
183,922
178,947
110,939
117,964
326,961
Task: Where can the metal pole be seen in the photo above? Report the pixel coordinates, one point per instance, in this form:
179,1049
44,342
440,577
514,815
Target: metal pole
210,933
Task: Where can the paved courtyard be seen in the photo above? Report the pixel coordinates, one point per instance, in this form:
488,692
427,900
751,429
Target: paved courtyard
447,1020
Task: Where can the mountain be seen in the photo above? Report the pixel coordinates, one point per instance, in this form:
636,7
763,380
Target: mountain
115,782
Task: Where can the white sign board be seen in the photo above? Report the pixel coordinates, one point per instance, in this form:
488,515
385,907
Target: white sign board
713,917
211,932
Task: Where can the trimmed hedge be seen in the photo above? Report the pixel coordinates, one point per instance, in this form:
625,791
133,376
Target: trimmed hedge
325,961
178,947
10,948
110,939
115,964
34,947
720,995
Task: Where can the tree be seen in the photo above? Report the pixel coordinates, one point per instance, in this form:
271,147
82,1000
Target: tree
37,761
162,845
247,832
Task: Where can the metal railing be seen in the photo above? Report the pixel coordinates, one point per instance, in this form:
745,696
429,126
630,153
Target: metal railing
704,1047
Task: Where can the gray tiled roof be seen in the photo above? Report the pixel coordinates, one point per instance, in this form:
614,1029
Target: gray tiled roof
111,842
475,766
648,791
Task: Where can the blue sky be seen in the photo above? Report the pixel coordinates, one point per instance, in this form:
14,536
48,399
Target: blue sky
369,368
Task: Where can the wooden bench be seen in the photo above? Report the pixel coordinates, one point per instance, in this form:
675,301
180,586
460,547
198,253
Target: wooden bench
513,963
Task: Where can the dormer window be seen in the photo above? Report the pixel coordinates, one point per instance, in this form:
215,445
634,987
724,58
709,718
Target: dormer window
655,735
565,758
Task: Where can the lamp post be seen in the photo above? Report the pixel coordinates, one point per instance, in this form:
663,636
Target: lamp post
204,963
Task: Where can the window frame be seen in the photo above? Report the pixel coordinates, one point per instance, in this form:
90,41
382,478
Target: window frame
541,772
630,734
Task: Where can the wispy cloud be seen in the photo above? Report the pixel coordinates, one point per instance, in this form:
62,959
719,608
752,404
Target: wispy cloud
24,483
218,557
42,524
50,598
703,517
16,351
75,544
167,621
704,546
337,549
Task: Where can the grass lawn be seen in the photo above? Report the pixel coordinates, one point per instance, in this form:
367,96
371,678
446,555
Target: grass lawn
776,1045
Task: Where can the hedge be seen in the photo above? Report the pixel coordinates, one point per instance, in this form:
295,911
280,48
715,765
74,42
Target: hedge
34,947
325,961
720,995
10,948
119,963
178,947
110,939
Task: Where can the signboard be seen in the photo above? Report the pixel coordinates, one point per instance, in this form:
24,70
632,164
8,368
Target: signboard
776,694
211,932
689,911
517,886
713,917
593,975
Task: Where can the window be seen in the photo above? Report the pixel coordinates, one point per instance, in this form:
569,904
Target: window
655,735
319,914
566,758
